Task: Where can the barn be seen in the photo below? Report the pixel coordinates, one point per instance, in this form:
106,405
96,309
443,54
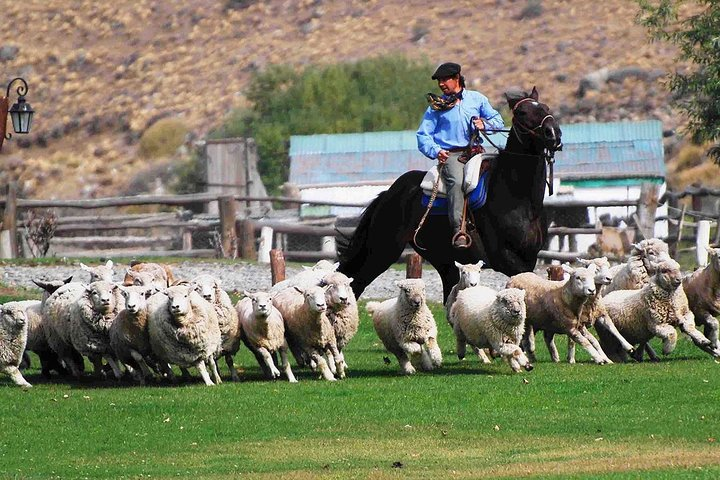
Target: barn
599,161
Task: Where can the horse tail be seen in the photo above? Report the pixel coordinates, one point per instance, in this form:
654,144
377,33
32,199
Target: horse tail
351,249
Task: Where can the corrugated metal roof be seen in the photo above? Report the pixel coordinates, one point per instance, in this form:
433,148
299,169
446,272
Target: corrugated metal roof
591,151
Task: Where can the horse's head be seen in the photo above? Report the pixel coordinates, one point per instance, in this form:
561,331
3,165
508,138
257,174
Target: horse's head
533,122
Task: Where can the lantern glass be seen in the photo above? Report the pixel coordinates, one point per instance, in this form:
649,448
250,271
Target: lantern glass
21,114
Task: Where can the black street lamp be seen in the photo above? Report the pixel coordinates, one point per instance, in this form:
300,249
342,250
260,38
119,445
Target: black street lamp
21,112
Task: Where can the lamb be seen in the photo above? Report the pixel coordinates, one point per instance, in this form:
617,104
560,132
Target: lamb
702,288
308,276
103,273
555,306
469,277
148,274
56,315
498,325
653,311
183,330
307,328
13,337
263,332
209,288
129,337
407,327
90,318
640,266
342,310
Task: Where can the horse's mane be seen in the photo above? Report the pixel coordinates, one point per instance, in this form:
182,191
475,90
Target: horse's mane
348,248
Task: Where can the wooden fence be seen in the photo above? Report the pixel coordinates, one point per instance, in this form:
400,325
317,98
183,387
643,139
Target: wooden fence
253,239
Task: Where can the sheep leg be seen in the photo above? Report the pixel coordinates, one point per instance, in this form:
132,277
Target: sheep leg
687,326
550,342
528,343
323,367
146,372
712,328
460,344
286,364
25,363
425,361
214,373
571,351
16,376
231,366
203,372
268,361
482,355
610,327
593,341
114,365
96,360
513,355
579,338
414,352
330,359
405,363
186,377
337,357
261,361
433,349
668,335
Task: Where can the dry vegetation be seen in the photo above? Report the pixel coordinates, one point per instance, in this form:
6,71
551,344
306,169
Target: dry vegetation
101,73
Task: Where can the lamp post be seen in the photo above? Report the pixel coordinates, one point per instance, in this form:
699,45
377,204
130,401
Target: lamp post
21,112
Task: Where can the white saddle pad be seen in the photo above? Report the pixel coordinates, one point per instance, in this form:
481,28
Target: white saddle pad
470,177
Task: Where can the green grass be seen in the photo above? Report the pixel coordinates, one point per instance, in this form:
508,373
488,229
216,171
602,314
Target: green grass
466,420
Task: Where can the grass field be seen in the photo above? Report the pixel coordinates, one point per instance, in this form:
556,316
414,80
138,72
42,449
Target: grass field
465,420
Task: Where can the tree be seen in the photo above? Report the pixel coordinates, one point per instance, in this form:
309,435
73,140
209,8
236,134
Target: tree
693,26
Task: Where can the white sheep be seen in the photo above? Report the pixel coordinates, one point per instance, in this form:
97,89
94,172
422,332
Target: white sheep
90,318
56,315
639,267
13,337
307,328
209,288
308,276
653,311
183,330
469,277
129,337
99,273
701,288
498,325
555,306
342,310
407,327
263,332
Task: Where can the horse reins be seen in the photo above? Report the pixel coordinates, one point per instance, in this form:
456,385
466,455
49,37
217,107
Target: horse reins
433,196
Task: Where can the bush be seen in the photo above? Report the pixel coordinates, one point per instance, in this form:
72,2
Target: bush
689,156
163,138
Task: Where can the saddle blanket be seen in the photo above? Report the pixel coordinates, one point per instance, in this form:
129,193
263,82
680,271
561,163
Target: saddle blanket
474,185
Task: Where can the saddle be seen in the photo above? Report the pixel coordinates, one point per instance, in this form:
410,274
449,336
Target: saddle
471,177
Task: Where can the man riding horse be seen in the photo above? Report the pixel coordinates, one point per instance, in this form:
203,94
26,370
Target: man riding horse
445,134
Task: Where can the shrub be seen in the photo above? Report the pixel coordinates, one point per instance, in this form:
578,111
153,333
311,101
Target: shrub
689,156
163,138
533,9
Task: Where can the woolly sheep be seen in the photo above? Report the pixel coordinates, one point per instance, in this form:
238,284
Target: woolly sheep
129,337
554,307
307,328
90,318
653,311
308,276
13,337
407,327
183,330
498,325
56,314
103,273
640,266
342,310
147,274
263,332
469,277
701,288
209,288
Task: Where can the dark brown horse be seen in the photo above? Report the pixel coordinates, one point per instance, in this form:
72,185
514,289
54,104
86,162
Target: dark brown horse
507,232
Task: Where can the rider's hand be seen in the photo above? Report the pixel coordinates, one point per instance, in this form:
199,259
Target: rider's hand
479,124
443,156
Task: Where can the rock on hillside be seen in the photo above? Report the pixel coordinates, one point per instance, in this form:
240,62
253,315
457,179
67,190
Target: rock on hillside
101,72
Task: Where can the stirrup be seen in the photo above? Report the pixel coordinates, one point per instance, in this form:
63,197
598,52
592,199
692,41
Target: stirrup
461,240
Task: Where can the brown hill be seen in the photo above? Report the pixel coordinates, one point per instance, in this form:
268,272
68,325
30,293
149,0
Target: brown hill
100,73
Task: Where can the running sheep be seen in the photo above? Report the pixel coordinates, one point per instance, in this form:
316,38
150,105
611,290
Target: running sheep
209,288
99,273
342,310
498,325
701,288
639,267
263,333
407,328
13,337
310,336
56,319
183,330
653,311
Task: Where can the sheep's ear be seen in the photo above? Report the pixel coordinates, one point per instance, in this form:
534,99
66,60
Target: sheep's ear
335,266
88,288
480,264
218,282
68,279
130,272
636,245
109,264
246,293
584,261
458,264
326,288
567,268
298,289
305,267
85,267
114,287
124,292
592,268
350,279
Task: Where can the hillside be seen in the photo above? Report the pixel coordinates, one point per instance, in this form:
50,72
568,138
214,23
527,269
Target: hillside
100,73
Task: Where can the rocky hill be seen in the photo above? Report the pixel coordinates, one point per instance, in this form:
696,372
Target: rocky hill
100,73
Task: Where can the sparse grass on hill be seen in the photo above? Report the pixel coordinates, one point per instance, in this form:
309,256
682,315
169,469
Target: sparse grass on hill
464,421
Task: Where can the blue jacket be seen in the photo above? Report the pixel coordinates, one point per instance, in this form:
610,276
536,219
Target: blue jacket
446,129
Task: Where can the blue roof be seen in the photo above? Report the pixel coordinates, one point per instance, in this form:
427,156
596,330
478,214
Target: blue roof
592,151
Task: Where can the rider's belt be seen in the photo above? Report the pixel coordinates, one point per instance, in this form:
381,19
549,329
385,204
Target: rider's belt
456,149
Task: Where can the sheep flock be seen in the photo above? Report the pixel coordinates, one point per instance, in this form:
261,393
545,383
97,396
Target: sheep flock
149,326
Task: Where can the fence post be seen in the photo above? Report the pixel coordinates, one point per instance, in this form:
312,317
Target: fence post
328,246
186,239
413,267
555,272
246,237
8,235
702,240
227,226
673,226
266,238
277,266
647,206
